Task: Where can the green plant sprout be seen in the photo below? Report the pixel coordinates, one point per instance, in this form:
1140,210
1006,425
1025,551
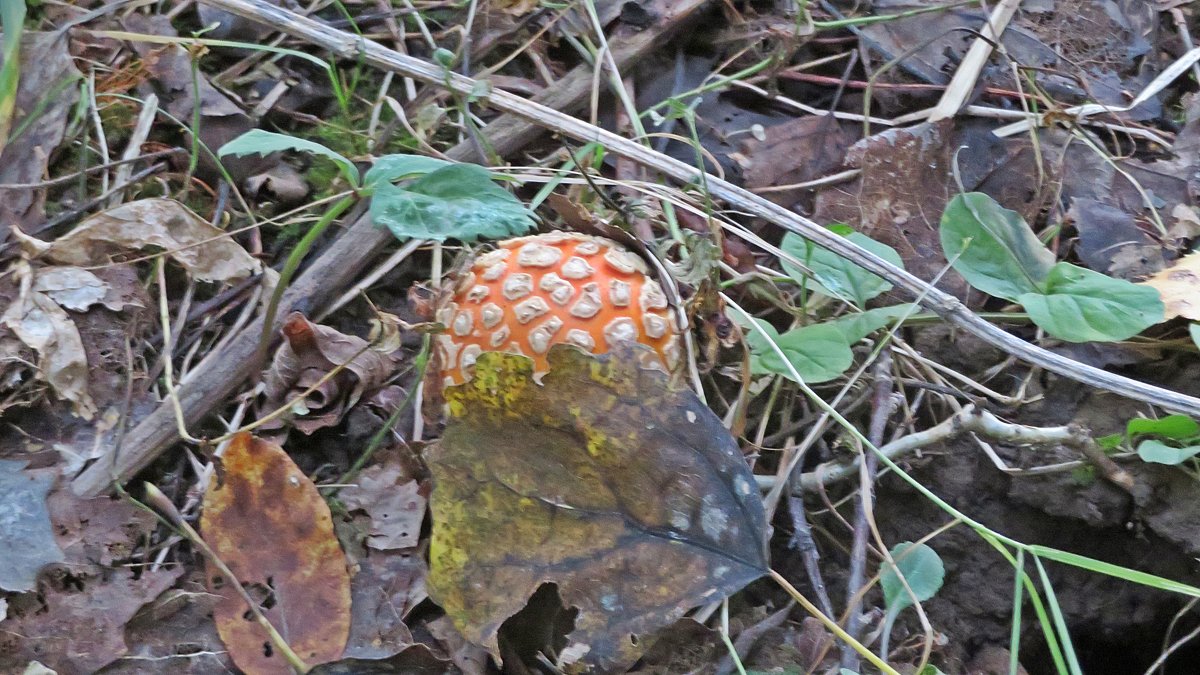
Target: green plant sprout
916,576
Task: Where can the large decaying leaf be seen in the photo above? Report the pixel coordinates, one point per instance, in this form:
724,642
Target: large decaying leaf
268,523
59,625
628,494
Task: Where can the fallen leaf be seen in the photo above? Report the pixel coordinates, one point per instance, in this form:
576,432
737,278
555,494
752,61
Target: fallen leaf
63,627
268,524
1110,241
174,635
516,7
899,197
468,657
629,495
394,502
795,151
185,90
308,353
1179,286
71,287
41,324
282,184
413,660
208,253
45,95
25,533
386,587
59,625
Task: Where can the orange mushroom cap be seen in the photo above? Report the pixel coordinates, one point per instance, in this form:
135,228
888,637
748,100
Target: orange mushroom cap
534,292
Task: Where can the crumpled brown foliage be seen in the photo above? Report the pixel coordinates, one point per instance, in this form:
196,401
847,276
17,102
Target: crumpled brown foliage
58,625
309,353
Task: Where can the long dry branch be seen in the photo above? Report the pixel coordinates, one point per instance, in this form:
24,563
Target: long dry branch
349,46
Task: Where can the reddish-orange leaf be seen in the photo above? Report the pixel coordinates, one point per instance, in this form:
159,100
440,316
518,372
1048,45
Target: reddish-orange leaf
267,522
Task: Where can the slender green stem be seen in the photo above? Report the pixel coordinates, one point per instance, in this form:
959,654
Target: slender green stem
292,264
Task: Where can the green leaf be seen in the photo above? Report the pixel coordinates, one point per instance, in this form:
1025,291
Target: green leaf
819,353
922,569
835,276
259,142
1080,305
861,324
993,248
1177,427
391,168
1158,452
458,201
1110,442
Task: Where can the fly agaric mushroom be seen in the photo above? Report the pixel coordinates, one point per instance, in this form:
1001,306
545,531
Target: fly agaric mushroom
534,292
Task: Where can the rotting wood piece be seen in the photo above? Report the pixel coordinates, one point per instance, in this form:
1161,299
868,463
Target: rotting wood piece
944,305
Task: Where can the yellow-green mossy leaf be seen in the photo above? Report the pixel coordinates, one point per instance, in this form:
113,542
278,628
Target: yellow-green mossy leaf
627,493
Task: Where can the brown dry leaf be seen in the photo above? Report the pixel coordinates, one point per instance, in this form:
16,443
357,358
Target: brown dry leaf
515,7
385,588
413,660
206,252
393,500
309,352
45,95
268,523
174,635
1179,286
76,625
899,198
186,90
41,324
60,625
470,658
796,151
629,495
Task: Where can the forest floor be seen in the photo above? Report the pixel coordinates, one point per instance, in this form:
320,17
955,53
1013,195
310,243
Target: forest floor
978,457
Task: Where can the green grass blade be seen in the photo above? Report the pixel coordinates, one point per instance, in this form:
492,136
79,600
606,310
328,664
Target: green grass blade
1014,641
12,21
1112,570
1059,622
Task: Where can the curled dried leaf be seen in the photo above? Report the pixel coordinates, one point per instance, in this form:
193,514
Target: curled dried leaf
308,354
